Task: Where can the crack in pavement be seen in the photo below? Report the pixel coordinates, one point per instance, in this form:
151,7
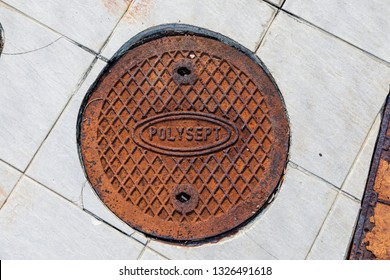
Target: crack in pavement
34,50
81,197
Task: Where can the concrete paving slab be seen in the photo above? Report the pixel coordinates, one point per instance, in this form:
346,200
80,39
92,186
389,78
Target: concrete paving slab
332,91
335,236
244,21
140,237
94,205
276,2
239,247
363,23
289,227
355,183
151,255
35,85
88,22
57,163
38,224
8,178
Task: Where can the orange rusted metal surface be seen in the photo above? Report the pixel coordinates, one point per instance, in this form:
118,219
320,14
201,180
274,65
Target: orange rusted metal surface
184,137
378,238
372,236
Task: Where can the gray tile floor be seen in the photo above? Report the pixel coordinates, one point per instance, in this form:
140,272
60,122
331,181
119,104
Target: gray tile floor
329,59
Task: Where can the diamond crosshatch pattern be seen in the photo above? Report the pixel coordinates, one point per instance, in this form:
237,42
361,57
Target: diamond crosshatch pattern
223,179
139,182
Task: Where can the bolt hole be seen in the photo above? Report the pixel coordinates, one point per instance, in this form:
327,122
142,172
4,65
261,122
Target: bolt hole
183,197
183,71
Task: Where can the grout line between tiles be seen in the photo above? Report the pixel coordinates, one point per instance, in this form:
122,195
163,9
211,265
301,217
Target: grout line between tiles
103,221
255,241
265,1
81,209
51,190
51,29
322,225
113,31
362,146
142,251
339,190
10,165
262,38
352,197
6,199
156,252
377,58
73,204
304,170
98,56
29,17
271,3
86,49
275,5
84,76
327,216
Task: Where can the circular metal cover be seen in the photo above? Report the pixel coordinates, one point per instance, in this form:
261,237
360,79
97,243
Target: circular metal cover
184,137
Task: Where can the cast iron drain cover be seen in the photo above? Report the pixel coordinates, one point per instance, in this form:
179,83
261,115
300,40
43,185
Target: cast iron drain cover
182,136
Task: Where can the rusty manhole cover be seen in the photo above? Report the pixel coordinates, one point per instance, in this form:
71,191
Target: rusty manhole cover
372,235
184,137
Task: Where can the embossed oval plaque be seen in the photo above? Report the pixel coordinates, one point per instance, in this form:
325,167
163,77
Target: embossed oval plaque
182,136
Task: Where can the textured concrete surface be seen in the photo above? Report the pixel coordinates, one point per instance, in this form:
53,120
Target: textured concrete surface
87,22
38,224
244,21
332,92
40,70
359,22
9,176
329,59
333,239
